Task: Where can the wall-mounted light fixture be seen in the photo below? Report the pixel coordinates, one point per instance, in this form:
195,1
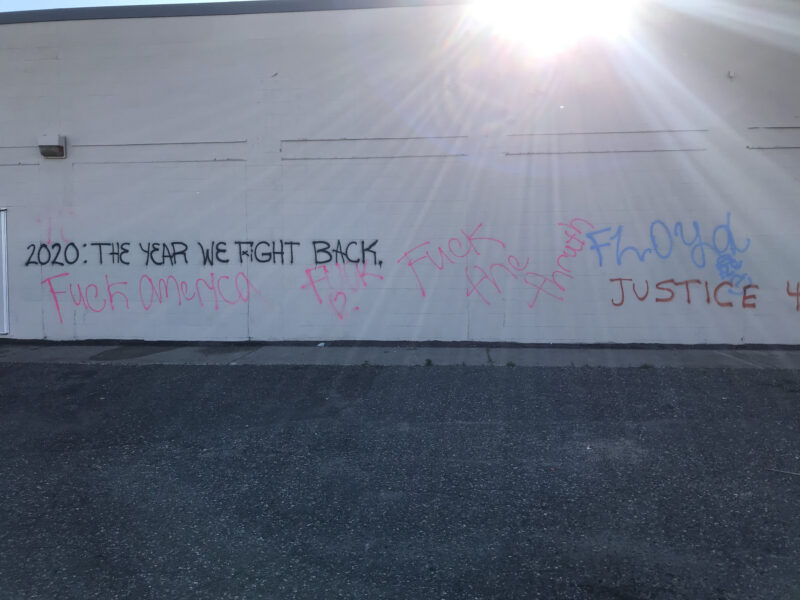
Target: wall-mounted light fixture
53,145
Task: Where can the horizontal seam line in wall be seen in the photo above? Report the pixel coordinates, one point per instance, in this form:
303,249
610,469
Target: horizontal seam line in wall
773,147
379,157
433,137
607,151
19,164
775,127
156,144
609,132
156,162
17,147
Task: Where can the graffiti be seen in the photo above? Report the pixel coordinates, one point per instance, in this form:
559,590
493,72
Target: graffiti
794,294
340,270
510,264
455,251
44,254
670,289
161,253
265,252
215,252
84,295
114,251
728,269
335,284
60,214
113,295
325,252
486,275
573,234
174,253
663,240
151,292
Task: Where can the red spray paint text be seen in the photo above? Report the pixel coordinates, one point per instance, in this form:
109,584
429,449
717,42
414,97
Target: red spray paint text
458,248
97,298
337,283
668,287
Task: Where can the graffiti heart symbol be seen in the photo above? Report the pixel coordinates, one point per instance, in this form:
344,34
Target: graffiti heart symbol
337,305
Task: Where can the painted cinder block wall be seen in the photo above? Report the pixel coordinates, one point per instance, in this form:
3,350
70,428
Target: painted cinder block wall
395,174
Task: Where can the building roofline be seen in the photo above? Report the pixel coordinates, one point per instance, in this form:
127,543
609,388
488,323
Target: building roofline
206,9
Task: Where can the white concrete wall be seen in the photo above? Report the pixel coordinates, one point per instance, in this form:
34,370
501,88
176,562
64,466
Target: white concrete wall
402,130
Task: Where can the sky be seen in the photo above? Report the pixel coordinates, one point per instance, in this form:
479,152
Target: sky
14,5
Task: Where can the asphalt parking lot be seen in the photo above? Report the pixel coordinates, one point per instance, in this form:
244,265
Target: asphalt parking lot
148,479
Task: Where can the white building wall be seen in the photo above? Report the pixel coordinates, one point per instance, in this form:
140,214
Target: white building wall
397,132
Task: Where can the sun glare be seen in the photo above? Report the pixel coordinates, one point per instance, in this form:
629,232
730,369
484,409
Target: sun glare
549,26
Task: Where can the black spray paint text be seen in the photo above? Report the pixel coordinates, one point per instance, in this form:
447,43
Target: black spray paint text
176,253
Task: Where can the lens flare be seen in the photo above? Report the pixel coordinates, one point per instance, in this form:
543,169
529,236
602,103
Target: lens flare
547,27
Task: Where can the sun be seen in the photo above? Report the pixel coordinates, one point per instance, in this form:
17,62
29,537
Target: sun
547,27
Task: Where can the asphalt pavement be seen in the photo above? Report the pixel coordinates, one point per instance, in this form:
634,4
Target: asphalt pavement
207,471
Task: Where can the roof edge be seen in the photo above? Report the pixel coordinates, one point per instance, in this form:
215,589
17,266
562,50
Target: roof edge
206,9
